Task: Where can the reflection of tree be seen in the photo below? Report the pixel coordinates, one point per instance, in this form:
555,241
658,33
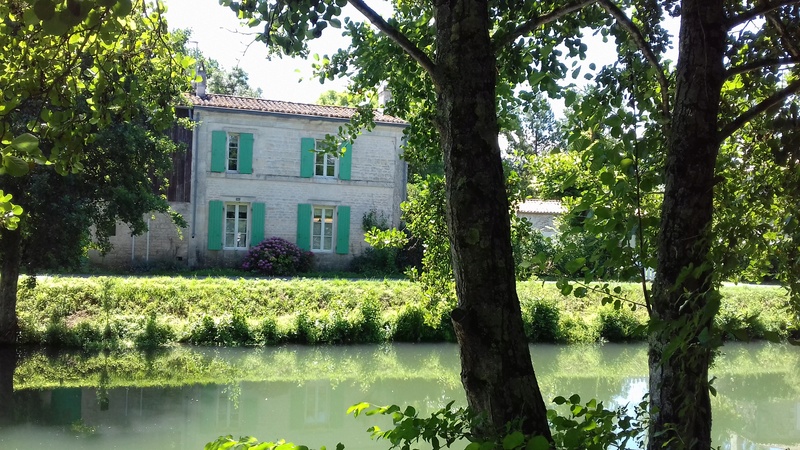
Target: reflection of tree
8,363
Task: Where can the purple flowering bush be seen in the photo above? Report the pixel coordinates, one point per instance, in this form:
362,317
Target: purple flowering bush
276,256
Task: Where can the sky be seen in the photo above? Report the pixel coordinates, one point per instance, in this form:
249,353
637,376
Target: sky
218,35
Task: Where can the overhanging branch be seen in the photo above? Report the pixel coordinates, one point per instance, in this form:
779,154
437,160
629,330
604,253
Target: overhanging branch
637,36
759,10
786,38
499,39
755,65
399,38
769,102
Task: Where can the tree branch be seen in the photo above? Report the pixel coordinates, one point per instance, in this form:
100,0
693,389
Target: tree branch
786,39
500,40
759,10
744,68
769,102
398,37
637,36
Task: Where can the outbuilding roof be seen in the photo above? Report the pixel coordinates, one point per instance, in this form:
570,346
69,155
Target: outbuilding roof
279,107
535,206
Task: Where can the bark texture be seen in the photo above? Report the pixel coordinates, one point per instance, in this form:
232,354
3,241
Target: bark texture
11,251
497,372
683,288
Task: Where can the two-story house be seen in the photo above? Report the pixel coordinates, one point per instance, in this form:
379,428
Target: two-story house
252,170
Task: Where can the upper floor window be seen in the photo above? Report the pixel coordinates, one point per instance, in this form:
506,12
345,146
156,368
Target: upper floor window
316,164
326,165
233,152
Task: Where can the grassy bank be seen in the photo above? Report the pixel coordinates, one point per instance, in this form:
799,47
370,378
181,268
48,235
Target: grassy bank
155,311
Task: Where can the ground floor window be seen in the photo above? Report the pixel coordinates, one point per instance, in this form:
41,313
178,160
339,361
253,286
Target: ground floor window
236,225
322,229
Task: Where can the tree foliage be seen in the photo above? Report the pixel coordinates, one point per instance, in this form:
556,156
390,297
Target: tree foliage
89,89
70,69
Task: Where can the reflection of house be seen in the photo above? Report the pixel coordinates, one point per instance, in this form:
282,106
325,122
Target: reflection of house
253,170
541,214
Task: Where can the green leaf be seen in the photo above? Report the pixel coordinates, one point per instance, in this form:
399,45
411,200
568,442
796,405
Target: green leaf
575,265
513,440
14,166
357,408
44,9
538,443
26,143
569,98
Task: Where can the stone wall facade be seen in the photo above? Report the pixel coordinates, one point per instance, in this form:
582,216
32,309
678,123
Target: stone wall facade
377,183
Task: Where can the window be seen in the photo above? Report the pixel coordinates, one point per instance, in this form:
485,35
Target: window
314,164
315,228
325,163
236,225
233,152
322,229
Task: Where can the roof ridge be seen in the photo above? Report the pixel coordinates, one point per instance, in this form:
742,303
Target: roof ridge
259,104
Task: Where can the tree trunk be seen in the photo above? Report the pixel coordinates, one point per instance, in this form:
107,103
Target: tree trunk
11,251
497,372
684,298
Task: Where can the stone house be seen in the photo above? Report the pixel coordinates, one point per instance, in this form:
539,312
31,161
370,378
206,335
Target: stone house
250,171
542,214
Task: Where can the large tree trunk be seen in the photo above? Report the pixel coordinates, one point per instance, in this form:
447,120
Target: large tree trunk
11,251
684,298
497,372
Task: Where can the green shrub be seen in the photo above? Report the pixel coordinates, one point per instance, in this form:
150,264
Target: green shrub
233,330
578,330
229,330
203,332
368,326
541,321
376,262
268,332
620,325
154,334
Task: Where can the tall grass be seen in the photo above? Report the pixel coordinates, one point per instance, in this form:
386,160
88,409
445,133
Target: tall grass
149,312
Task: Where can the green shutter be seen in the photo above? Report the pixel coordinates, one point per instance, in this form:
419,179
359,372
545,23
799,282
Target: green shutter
219,142
343,230
307,157
216,213
345,161
304,226
257,224
246,153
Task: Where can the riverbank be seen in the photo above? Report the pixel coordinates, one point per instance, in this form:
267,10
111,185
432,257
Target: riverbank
149,312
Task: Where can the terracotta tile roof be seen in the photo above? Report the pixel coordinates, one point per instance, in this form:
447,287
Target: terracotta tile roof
274,106
535,206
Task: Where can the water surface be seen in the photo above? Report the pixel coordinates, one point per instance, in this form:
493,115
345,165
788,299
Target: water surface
185,397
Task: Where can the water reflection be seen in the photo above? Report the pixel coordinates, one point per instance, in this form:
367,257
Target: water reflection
185,397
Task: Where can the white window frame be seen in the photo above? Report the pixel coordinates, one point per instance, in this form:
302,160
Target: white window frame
239,207
324,161
318,238
234,139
